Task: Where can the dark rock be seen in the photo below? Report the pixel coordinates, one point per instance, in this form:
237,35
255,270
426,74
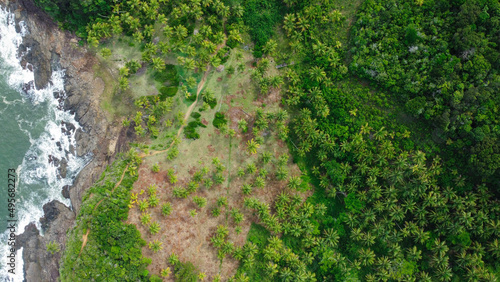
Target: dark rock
53,160
41,65
40,265
72,149
50,211
30,230
51,48
63,168
65,191
82,142
67,128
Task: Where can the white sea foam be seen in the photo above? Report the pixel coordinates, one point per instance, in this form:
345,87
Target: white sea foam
36,171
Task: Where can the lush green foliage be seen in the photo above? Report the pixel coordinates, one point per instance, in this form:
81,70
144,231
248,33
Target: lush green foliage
386,205
261,16
113,248
75,14
382,209
219,120
53,247
441,58
185,272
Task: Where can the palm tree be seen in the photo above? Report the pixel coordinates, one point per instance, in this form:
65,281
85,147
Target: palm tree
444,273
242,125
294,182
155,246
189,64
281,173
148,31
167,31
331,238
289,22
380,134
367,256
158,64
259,182
270,47
302,23
252,146
154,228
145,218
271,269
234,34
286,274
166,209
219,37
180,32
494,248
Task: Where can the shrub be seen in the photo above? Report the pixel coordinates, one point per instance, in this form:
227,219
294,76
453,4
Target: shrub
53,247
261,16
155,168
185,272
167,91
219,120
166,209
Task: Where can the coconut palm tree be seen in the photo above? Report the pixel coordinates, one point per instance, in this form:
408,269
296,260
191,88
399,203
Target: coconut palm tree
294,182
252,146
155,246
154,228
317,73
270,47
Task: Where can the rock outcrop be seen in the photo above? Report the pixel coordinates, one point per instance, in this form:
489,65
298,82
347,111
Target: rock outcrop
49,49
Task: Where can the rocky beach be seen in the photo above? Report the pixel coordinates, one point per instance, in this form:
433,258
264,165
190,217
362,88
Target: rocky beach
101,138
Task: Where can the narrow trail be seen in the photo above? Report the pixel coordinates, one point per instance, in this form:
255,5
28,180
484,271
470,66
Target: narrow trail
186,116
86,235
190,109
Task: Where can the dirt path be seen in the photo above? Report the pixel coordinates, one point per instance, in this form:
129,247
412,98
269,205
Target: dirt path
86,235
186,116
189,111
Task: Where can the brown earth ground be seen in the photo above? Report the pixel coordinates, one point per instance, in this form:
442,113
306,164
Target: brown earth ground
189,237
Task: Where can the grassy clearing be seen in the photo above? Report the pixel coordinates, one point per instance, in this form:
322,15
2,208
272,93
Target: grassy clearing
186,231
114,103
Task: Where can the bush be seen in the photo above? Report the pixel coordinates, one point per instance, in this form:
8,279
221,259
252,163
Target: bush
113,250
53,247
169,91
219,120
190,129
185,272
169,74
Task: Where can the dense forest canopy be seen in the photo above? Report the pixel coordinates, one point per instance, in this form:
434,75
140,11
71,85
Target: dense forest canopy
442,59
392,113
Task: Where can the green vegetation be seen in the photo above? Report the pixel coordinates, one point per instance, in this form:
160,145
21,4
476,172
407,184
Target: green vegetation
74,14
112,249
441,60
53,247
389,109
185,272
219,120
261,17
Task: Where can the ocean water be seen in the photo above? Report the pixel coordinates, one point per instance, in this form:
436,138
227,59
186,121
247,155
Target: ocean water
31,136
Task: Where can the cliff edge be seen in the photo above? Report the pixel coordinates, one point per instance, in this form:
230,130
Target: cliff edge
50,48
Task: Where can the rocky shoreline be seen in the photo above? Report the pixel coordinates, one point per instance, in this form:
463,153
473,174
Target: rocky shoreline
52,48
